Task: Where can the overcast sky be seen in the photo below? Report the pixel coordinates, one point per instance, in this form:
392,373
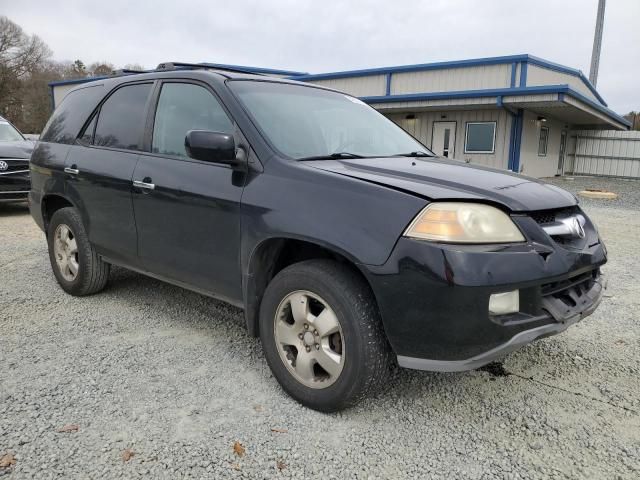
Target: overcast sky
324,35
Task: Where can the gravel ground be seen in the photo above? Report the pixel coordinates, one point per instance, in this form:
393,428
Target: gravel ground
172,377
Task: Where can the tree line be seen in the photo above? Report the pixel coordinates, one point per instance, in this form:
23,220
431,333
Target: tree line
26,68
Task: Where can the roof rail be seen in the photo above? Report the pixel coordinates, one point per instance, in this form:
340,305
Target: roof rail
164,66
127,71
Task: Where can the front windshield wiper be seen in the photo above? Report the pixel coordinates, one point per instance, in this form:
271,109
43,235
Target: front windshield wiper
413,154
330,156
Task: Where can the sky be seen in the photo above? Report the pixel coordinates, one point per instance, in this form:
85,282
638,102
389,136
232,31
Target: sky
325,35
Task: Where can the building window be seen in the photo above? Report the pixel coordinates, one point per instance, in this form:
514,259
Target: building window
543,141
480,137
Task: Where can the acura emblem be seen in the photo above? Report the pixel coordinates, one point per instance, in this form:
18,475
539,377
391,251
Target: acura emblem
3,165
577,228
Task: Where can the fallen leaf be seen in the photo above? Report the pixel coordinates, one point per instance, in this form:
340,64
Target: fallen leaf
258,408
281,465
7,460
280,430
620,342
235,466
127,454
238,449
71,427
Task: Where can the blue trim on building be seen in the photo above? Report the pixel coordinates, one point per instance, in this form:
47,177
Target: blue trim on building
523,74
515,141
523,59
514,68
388,85
495,92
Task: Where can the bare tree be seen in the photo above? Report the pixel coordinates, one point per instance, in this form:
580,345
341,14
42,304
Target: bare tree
98,69
20,54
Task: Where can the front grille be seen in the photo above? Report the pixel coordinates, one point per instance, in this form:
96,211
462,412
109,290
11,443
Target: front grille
15,164
549,216
572,299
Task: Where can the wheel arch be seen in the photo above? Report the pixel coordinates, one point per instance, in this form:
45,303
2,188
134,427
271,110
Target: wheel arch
50,204
274,254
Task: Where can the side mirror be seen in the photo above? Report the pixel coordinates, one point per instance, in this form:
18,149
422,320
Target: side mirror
210,146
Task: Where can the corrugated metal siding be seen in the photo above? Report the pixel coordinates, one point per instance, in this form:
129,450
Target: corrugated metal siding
452,79
422,128
434,104
537,75
606,152
367,86
60,91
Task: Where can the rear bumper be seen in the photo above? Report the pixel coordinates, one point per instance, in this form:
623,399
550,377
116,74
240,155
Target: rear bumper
562,320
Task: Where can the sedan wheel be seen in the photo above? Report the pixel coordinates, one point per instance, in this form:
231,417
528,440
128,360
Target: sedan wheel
309,339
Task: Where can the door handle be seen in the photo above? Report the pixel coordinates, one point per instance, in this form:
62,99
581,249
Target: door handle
146,185
73,170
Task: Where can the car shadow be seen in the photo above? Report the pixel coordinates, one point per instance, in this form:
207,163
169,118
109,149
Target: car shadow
14,209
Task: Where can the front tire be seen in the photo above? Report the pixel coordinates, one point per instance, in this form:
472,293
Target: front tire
322,335
76,265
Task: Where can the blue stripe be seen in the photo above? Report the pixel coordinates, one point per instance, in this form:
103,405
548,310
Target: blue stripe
523,74
495,92
388,86
514,67
523,59
413,68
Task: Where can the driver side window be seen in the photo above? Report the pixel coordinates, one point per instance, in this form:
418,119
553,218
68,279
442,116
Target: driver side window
183,107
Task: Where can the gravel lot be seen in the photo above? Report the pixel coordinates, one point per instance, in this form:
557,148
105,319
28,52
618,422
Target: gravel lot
173,377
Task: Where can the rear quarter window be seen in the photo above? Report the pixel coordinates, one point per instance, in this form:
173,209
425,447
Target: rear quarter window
67,120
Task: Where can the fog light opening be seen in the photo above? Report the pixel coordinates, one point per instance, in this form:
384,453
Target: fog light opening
503,303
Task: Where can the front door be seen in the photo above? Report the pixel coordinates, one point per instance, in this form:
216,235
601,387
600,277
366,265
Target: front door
188,211
561,155
443,142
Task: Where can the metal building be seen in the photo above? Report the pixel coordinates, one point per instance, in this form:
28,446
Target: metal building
512,112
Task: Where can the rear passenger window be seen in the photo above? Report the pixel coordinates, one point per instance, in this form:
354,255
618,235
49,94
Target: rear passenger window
183,107
122,118
87,135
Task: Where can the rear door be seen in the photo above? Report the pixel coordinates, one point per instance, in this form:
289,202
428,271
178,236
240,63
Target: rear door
188,211
99,171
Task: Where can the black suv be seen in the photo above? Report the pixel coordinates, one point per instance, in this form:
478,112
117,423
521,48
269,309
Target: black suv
15,151
348,245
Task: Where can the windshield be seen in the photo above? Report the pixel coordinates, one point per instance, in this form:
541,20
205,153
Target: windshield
303,122
8,133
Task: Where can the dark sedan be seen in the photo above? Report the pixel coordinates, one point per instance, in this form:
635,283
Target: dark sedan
15,151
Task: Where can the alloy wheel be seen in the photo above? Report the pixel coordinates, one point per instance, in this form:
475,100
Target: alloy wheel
309,339
65,250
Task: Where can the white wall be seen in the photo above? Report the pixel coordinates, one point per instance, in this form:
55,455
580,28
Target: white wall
531,163
60,91
422,128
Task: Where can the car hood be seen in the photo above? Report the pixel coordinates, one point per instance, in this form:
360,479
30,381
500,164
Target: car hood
20,149
444,179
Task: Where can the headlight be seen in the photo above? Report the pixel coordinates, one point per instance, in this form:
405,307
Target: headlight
463,223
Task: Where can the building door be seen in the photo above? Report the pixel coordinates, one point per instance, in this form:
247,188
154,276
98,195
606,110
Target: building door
443,139
561,155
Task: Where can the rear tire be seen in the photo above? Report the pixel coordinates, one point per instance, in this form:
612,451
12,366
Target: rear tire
302,303
76,265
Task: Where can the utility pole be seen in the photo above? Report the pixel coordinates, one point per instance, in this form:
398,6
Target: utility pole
597,44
